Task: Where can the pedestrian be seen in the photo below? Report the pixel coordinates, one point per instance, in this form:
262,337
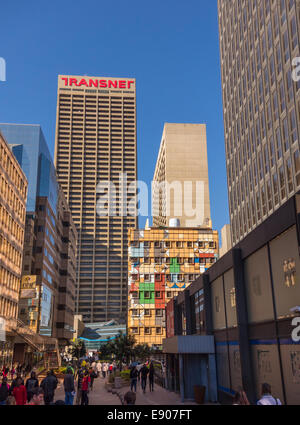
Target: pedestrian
12,373
240,398
69,387
151,377
31,384
4,392
80,376
99,368
144,372
37,397
14,382
129,398
85,389
93,375
267,399
49,385
19,393
133,378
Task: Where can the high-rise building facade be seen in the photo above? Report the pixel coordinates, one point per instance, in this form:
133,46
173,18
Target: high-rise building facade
180,183
95,157
162,263
47,295
261,100
13,194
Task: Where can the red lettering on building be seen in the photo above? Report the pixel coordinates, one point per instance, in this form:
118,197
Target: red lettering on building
129,83
122,84
83,83
113,83
65,80
93,83
73,80
102,83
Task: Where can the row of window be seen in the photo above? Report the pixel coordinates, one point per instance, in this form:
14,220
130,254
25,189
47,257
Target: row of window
171,244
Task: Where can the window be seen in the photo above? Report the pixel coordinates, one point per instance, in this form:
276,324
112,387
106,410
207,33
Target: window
147,331
147,294
146,244
134,294
157,294
190,244
158,331
169,294
157,244
147,278
135,330
297,166
157,278
147,260
135,312
191,260
282,183
168,244
158,312
289,175
178,244
147,312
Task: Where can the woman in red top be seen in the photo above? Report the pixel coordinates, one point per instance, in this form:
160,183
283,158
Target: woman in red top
85,389
20,393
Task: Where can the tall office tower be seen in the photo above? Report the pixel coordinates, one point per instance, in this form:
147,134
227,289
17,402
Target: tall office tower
180,183
95,147
47,296
261,100
13,193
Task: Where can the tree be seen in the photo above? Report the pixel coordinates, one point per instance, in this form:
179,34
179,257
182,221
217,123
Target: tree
142,352
122,348
77,349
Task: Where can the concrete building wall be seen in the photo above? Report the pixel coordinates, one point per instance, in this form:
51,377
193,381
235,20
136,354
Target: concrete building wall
182,172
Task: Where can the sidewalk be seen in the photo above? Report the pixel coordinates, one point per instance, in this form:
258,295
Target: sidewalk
98,396
159,397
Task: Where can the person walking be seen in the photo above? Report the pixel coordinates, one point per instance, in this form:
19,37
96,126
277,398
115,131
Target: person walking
85,389
93,375
31,384
4,392
12,373
69,387
19,393
80,376
144,373
49,385
133,378
240,398
99,368
151,377
266,396
14,382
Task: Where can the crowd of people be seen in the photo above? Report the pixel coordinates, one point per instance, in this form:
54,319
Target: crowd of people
141,374
267,399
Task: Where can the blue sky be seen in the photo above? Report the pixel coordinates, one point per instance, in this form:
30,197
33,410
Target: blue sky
170,47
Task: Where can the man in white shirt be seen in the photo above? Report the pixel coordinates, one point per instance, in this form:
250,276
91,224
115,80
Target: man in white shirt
267,399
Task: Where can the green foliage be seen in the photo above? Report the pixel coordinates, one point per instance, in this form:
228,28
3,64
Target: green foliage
125,374
77,349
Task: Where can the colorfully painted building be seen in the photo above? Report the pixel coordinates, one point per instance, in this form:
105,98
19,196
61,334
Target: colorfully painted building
162,263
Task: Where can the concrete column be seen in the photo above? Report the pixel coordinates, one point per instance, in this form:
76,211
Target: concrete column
181,377
207,305
212,378
242,319
188,312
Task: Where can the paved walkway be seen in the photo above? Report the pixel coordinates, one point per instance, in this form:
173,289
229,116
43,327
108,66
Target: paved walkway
158,397
98,396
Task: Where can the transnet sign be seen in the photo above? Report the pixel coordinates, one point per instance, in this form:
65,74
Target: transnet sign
93,82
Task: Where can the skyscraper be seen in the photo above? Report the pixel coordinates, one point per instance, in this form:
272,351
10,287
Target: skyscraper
261,101
47,296
96,145
181,187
